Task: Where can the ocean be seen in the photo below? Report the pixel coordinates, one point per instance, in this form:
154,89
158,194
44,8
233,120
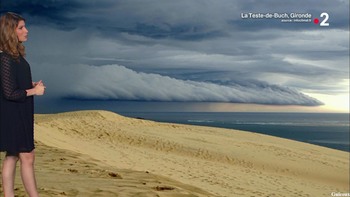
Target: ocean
324,129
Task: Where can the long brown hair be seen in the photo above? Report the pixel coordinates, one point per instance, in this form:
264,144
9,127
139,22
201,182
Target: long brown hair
9,42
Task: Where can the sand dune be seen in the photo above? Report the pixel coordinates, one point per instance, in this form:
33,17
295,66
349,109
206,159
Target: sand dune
65,173
186,160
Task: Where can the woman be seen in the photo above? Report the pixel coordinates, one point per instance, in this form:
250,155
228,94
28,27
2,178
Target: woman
16,105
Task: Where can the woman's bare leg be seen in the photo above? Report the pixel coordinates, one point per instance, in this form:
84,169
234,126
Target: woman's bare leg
27,173
8,175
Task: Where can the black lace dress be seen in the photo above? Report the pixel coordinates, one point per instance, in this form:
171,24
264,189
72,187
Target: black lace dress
16,109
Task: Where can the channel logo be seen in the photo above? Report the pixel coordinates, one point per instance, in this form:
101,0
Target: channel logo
324,16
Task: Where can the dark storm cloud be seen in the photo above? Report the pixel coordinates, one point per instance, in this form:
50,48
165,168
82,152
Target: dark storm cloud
198,45
186,20
108,17
45,12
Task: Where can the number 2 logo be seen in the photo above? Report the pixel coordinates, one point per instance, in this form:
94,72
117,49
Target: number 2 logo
325,17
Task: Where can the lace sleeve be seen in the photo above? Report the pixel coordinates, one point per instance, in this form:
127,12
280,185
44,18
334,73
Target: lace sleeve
9,85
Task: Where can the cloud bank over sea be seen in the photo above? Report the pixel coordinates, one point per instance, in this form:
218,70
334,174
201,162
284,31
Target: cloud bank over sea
115,82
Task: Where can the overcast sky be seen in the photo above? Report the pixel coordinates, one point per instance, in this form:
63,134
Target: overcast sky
189,51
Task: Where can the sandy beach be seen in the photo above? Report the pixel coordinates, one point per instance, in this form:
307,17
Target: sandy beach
100,153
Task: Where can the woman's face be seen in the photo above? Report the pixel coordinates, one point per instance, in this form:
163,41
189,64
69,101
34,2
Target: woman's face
22,32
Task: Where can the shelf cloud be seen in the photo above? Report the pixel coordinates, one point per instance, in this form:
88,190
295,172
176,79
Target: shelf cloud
114,82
